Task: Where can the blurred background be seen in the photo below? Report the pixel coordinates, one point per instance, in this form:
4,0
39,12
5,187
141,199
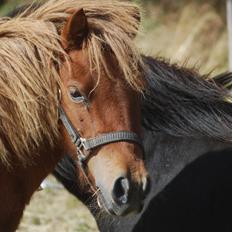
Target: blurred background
193,33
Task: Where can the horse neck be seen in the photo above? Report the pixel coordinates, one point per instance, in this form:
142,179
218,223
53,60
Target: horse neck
18,183
180,102
166,156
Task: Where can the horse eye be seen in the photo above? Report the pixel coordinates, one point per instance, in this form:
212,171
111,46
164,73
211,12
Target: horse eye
75,94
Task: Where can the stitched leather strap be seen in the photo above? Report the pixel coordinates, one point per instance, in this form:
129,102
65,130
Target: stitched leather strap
112,137
88,144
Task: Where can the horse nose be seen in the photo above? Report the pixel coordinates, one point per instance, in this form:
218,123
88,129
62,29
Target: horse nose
121,190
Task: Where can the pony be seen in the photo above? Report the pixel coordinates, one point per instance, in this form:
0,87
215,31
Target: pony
60,64
186,121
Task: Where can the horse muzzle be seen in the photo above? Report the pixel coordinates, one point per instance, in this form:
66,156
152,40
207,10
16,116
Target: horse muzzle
125,197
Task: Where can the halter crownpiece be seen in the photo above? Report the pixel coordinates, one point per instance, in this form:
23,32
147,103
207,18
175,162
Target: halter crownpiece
84,145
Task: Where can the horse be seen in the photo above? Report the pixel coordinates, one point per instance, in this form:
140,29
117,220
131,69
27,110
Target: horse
60,64
186,122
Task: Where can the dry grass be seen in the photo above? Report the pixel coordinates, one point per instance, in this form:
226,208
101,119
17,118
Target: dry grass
55,210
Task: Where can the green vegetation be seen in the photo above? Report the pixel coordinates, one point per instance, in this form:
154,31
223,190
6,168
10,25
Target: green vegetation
10,5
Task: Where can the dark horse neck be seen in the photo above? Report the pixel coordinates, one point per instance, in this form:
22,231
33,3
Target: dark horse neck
197,199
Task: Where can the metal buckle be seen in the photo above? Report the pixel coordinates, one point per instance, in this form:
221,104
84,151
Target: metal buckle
80,144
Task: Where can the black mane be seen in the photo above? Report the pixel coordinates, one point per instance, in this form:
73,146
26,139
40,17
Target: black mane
180,102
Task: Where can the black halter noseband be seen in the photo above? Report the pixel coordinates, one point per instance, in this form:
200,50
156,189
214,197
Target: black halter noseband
84,145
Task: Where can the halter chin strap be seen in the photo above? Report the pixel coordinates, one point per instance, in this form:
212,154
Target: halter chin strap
84,145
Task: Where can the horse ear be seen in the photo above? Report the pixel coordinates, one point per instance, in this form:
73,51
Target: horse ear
75,30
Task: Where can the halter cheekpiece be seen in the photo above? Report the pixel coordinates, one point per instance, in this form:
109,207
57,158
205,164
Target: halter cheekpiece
84,145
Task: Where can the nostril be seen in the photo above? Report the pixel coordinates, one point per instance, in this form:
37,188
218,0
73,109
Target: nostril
146,186
120,190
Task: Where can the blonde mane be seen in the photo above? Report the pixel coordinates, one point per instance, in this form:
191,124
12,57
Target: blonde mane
30,53
28,83
113,24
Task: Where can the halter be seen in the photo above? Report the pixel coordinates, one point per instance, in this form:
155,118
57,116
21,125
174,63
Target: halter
84,145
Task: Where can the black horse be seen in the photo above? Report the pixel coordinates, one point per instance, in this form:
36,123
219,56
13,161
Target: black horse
187,123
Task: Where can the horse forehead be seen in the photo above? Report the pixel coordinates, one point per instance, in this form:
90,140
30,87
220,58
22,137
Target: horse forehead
76,69
92,81
79,56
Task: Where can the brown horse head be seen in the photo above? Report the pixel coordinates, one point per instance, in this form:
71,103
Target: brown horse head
97,100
